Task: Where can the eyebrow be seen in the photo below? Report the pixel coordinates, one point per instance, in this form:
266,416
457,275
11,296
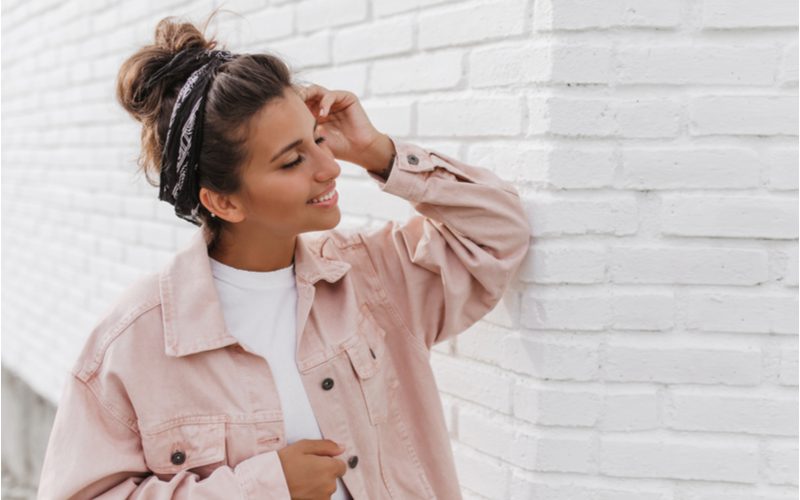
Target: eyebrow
293,145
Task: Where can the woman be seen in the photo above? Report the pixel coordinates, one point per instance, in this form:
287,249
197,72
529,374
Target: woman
261,363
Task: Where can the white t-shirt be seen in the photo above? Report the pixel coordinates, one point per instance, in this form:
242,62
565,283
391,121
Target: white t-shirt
260,310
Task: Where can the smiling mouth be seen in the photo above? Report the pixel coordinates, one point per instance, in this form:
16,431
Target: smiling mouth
329,192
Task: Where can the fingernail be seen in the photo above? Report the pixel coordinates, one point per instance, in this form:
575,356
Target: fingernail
321,111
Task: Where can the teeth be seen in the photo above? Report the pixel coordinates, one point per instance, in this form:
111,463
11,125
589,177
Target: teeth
324,198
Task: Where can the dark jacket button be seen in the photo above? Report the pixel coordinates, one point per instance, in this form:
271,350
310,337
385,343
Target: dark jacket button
327,384
352,461
373,354
412,159
178,457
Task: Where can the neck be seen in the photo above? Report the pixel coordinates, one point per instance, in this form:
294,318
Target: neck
262,253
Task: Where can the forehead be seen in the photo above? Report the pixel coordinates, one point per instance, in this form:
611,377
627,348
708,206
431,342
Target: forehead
281,122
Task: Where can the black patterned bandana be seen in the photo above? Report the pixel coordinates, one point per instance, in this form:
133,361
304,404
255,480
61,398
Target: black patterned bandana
181,152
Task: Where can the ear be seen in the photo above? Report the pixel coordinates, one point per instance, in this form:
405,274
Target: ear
225,206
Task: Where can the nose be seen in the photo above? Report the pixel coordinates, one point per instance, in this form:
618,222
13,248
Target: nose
328,167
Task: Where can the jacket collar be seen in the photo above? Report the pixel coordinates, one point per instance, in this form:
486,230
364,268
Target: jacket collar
192,314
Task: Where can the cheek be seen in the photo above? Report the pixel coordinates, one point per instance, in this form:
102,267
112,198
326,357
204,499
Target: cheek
279,196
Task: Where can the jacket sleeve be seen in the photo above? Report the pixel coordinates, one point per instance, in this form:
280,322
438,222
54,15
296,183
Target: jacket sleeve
93,453
449,265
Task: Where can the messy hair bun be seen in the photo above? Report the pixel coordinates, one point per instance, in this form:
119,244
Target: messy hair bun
152,106
241,87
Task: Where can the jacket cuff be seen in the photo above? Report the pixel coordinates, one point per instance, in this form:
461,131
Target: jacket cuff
403,179
262,477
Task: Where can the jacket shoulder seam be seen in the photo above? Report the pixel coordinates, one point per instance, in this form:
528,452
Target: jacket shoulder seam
84,372
129,423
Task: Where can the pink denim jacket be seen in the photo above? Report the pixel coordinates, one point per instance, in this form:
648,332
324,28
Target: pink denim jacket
164,403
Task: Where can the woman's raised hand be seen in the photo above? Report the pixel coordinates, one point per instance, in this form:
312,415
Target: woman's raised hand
343,121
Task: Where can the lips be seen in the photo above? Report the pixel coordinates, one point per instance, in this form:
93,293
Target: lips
322,193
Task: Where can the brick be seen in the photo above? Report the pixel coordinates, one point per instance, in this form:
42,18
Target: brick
561,358
558,312
556,64
789,271
489,387
787,75
745,14
607,214
697,459
587,14
434,71
306,51
684,169
743,115
686,266
604,118
369,40
682,364
479,473
318,14
782,171
550,452
519,164
702,410
762,313
266,25
557,264
698,65
494,66
642,311
556,406
729,216
470,116
383,8
788,367
482,342
471,22
628,409
549,490
488,433
581,168
781,462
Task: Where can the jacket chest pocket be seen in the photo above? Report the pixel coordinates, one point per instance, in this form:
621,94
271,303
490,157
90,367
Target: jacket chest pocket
187,445
368,357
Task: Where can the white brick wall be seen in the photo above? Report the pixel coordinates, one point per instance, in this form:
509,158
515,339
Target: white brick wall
648,348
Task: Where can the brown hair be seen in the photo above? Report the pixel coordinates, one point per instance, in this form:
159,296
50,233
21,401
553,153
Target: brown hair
241,88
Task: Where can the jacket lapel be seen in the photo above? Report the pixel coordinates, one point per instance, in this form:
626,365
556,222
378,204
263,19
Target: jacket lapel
193,320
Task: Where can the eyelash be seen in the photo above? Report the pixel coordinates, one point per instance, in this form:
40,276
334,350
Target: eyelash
301,157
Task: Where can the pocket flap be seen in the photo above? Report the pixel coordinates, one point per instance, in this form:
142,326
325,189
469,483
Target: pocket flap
184,446
361,357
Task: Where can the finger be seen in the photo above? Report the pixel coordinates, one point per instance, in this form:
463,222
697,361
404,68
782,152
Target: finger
340,467
327,102
314,91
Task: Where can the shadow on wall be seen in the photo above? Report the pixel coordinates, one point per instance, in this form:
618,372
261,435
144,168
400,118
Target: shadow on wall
26,422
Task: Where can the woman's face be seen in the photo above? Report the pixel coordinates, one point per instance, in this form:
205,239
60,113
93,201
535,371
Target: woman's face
288,165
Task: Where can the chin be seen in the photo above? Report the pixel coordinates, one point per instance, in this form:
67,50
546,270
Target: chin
326,224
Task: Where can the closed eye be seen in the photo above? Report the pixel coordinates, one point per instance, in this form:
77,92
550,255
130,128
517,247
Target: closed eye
300,158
